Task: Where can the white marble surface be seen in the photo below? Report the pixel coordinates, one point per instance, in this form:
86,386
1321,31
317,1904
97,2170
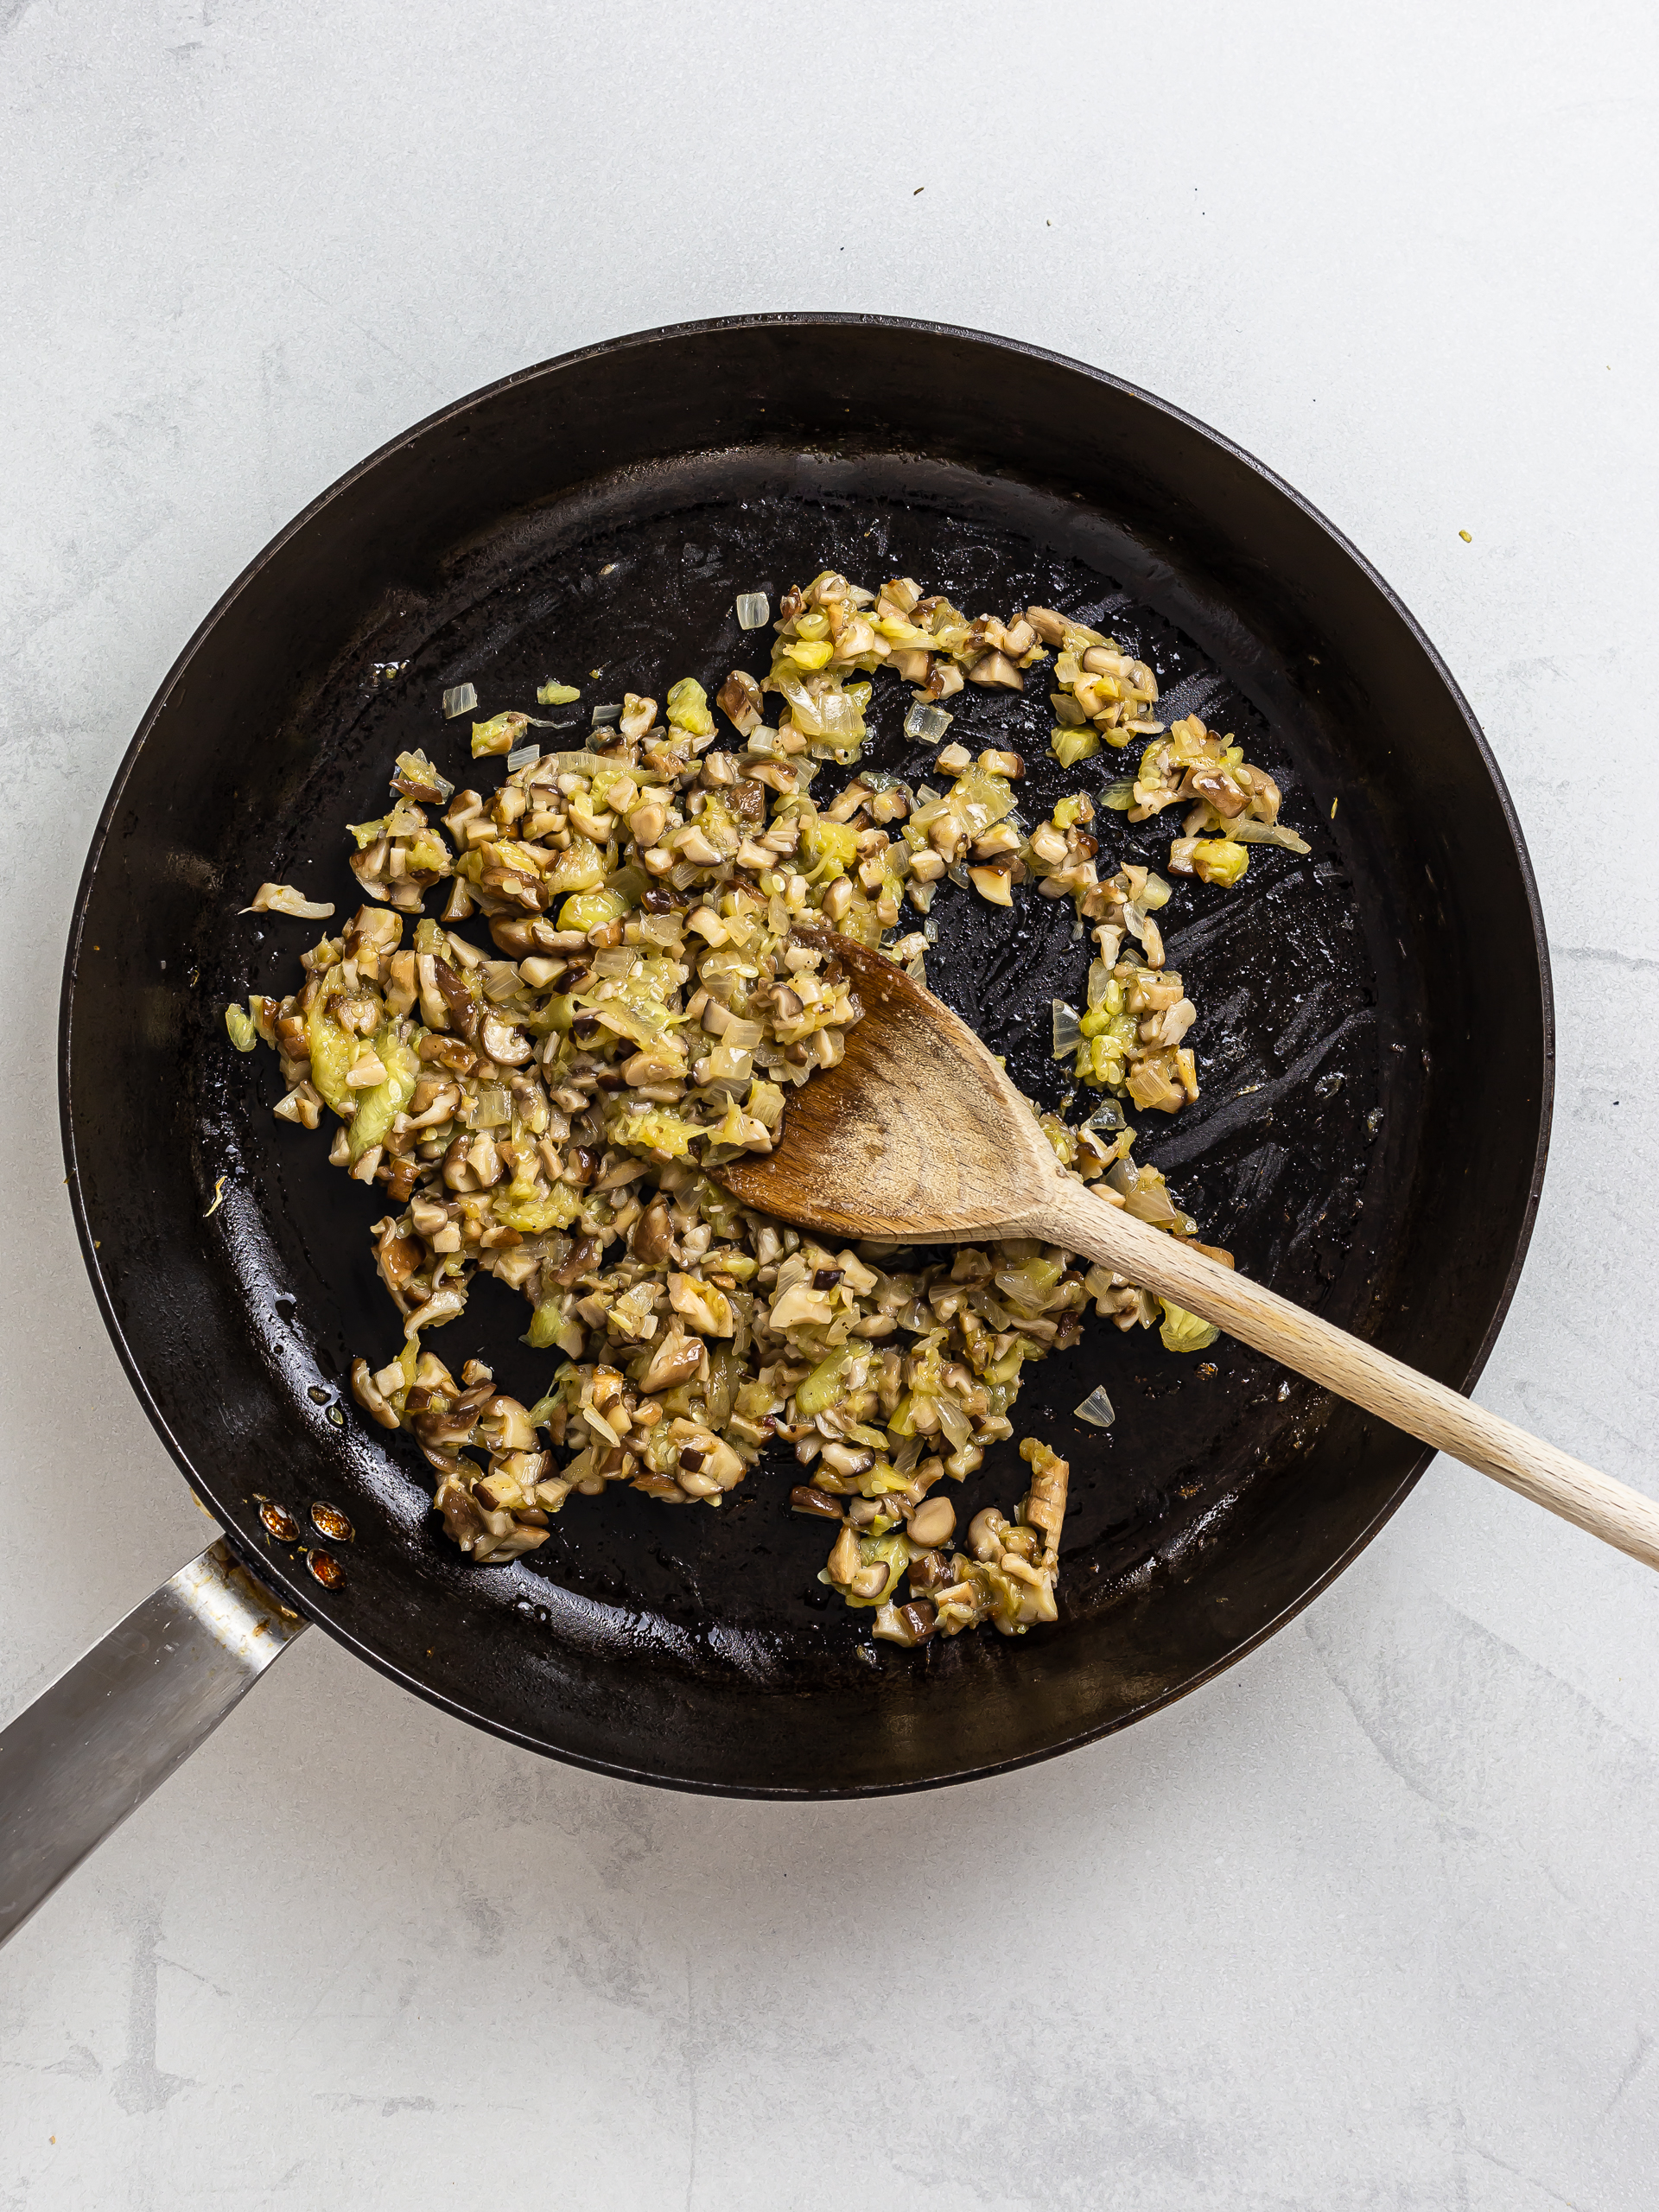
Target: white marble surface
1371,1924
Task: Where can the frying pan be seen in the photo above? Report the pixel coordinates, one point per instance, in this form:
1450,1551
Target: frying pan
1374,1051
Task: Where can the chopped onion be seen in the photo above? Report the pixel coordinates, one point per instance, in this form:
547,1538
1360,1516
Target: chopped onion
1097,1409
927,796
603,714
952,1420
523,757
284,899
572,764
495,1108
1109,1116
1119,796
958,875
544,721
837,714
1068,1035
554,693
753,609
1266,833
461,700
927,723
1154,893
415,768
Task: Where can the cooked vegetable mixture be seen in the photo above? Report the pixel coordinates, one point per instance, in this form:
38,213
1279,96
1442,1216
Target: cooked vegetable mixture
553,1109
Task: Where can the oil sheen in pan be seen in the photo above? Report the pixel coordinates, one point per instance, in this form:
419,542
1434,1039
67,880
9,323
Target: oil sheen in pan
1274,1160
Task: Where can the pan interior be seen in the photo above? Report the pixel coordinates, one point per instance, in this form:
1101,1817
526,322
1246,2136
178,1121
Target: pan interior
1305,1021
1373,1038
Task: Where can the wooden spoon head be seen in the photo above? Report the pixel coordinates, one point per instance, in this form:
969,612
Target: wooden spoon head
917,1134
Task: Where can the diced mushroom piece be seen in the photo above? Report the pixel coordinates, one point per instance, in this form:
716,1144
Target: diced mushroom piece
844,1557
397,1257
739,700
705,1308
652,1235
459,1004
1176,1021
716,1461
303,1104
484,1162
505,1426
814,1503
908,1624
985,1534
676,1360
847,1459
690,844
637,716
503,1043
647,822
933,1522
367,1070
993,884
464,1520
366,1390
996,670
1044,1507
1222,793
496,1551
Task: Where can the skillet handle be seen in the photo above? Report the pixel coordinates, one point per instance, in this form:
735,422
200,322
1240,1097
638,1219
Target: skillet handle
1354,1370
90,1749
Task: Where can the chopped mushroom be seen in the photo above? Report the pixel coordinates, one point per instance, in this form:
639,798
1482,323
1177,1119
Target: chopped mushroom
996,668
551,1099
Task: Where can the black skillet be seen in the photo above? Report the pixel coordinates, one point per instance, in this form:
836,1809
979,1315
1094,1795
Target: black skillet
1375,1039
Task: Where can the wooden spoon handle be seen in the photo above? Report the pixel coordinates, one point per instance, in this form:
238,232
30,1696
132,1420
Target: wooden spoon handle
1357,1371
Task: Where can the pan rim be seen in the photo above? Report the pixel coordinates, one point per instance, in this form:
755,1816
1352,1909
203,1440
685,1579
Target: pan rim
272,1571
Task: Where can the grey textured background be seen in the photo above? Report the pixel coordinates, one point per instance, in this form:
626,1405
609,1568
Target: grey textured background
1370,1923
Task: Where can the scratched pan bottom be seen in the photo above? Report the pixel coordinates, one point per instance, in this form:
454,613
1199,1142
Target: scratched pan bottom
699,1647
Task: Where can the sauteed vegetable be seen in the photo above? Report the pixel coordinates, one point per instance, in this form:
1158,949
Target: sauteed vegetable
553,1107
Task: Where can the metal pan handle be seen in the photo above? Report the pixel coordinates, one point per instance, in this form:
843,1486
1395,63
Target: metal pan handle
89,1749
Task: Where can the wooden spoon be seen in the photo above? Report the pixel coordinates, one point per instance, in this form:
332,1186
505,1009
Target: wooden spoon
918,1136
